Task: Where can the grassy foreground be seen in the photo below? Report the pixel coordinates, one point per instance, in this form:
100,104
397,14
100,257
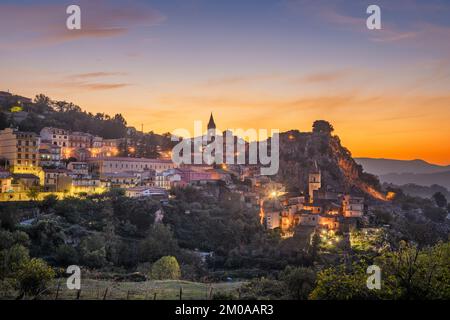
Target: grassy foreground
92,289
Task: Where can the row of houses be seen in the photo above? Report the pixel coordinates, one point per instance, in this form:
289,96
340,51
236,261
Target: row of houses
324,213
25,165
29,149
57,144
319,208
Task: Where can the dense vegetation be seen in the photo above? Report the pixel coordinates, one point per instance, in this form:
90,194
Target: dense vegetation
209,235
116,236
45,112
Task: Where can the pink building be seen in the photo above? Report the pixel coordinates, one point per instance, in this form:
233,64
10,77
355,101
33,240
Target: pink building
188,175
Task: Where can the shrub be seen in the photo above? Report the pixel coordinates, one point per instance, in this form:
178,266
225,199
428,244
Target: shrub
166,268
34,276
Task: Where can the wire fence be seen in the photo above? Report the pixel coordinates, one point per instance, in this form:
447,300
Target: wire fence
149,290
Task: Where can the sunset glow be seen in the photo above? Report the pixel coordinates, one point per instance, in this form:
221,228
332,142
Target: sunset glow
164,64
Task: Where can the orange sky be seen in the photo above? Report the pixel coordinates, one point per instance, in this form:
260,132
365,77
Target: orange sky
254,64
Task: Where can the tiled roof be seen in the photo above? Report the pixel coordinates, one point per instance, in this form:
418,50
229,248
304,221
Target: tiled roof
130,159
25,176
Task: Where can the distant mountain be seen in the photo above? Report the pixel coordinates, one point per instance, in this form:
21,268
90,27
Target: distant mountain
421,191
423,179
381,167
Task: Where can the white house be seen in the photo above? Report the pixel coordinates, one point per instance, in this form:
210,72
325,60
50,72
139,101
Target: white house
144,191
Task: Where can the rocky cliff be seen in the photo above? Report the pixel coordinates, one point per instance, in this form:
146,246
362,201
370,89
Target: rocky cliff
300,150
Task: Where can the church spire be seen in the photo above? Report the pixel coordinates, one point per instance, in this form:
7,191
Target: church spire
211,123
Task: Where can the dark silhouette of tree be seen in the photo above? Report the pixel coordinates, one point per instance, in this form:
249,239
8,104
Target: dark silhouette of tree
315,243
3,121
322,126
440,199
299,281
42,99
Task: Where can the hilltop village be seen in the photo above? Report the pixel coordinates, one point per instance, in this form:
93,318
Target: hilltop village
67,163
321,208
88,190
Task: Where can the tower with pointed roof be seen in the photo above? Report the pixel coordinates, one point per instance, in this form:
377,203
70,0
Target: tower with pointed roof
211,123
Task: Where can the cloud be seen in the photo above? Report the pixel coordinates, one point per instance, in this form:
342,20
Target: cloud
392,36
66,35
259,104
388,33
241,79
33,25
102,86
422,29
91,86
97,75
350,105
320,77
91,81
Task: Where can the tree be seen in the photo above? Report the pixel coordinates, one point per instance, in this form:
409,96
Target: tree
93,251
340,283
66,255
42,103
42,99
139,213
3,121
263,289
440,199
409,273
159,242
12,259
315,245
435,214
8,217
166,268
33,193
8,239
34,276
322,126
46,236
299,281
49,202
